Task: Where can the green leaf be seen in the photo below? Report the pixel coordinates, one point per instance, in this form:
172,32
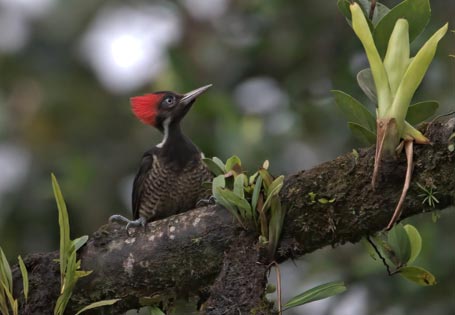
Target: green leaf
275,224
238,186
276,182
361,29
317,293
343,6
98,304
365,135
213,167
370,249
414,75
399,241
255,196
5,271
354,110
416,241
218,182
396,59
418,275
232,161
24,274
9,295
379,11
239,202
267,179
416,12
273,192
219,163
418,112
64,225
80,241
154,310
69,281
366,83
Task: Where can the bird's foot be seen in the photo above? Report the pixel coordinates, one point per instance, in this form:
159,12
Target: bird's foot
205,202
129,223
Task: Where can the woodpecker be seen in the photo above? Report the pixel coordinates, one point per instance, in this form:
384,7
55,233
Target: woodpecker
170,176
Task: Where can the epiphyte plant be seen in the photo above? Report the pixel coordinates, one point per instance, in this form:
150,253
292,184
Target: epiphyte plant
391,81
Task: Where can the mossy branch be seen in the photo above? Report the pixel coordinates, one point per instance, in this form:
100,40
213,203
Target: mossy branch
205,248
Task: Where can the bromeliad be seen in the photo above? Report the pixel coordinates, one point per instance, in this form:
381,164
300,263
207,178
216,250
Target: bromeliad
396,78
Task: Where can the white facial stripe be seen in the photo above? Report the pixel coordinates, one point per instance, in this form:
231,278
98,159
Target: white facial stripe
166,123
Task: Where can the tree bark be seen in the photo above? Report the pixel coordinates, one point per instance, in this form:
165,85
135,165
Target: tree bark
204,250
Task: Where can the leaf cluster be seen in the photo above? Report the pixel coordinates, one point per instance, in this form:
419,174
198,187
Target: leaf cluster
401,246
252,199
7,301
70,267
393,76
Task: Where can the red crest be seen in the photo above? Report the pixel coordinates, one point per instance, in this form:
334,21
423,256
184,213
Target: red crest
145,107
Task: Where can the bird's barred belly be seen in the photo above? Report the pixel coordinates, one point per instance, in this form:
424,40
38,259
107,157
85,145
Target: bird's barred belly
168,192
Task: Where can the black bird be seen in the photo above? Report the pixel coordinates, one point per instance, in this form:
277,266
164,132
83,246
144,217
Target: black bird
170,177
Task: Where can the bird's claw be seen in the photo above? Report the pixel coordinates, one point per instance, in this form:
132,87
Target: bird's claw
141,222
204,202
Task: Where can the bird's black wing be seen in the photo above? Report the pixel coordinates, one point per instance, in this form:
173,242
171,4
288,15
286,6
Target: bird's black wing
138,185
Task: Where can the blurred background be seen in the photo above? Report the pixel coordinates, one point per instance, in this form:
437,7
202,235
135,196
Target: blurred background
68,68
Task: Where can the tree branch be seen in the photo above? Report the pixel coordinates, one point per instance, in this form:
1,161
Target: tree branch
204,250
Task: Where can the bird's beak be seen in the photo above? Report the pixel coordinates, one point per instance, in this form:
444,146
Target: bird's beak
191,96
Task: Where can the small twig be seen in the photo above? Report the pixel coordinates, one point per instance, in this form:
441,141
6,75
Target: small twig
372,7
380,256
278,286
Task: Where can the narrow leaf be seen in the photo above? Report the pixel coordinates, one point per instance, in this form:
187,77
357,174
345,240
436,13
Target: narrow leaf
317,293
238,186
5,271
418,275
9,295
361,28
270,195
276,182
267,179
98,304
397,56
24,273
363,134
64,225
416,242
418,112
255,196
275,224
414,75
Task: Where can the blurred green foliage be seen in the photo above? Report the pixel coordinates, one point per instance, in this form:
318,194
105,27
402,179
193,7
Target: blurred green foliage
57,116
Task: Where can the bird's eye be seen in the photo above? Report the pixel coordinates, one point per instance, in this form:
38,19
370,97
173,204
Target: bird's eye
169,100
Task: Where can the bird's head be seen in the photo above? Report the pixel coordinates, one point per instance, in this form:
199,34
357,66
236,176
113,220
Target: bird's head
156,108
